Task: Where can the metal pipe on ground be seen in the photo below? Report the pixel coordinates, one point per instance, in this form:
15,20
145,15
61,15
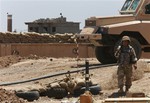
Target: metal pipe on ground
87,75
55,74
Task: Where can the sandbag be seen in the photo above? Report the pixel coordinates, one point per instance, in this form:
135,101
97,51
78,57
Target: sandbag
80,82
54,85
71,84
63,85
71,89
92,82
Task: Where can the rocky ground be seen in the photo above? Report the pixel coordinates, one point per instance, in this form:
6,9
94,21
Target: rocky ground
15,68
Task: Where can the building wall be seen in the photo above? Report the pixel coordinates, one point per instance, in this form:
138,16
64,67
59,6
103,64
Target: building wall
50,50
41,28
68,27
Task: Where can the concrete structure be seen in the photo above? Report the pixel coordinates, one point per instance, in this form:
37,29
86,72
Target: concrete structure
126,100
50,50
9,22
46,49
52,26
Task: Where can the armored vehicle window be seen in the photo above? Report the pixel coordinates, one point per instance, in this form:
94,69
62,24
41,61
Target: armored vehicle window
126,5
134,5
147,7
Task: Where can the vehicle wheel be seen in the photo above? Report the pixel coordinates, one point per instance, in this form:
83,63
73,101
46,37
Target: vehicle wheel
57,93
93,89
43,93
30,95
78,92
135,44
105,55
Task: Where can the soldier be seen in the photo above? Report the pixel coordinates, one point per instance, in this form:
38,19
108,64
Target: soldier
127,59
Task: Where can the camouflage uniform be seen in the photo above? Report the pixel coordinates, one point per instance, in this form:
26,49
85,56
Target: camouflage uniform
126,58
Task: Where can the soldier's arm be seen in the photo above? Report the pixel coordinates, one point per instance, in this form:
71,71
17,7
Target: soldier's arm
117,52
134,58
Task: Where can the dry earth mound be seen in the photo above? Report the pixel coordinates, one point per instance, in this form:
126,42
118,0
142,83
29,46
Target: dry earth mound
9,60
9,97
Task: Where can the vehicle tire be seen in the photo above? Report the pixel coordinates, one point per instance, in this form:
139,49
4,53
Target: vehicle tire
105,55
93,89
30,95
135,44
57,93
78,92
43,93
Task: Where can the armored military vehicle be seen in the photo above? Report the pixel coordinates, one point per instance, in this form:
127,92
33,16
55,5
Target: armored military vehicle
106,32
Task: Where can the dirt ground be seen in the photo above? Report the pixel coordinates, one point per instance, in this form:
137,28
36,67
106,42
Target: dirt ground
15,68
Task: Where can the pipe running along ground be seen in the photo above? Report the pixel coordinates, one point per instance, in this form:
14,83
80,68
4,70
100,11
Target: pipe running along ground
56,74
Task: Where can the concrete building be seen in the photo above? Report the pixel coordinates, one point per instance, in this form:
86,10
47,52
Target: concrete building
54,25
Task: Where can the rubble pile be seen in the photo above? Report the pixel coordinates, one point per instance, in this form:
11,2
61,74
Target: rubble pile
9,60
32,37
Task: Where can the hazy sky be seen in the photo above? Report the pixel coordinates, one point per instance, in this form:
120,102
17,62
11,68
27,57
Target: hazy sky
74,10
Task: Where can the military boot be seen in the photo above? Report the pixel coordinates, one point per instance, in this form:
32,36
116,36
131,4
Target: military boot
127,89
120,90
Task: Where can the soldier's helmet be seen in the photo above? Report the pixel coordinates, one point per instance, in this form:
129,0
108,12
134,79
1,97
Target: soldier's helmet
126,38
